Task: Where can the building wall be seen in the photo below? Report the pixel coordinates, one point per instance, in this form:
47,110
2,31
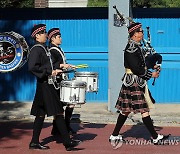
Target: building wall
67,3
41,3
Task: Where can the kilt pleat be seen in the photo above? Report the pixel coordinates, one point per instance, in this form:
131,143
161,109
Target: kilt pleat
131,99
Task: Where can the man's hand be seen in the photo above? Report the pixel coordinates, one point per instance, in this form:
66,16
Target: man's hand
67,66
155,74
157,67
56,72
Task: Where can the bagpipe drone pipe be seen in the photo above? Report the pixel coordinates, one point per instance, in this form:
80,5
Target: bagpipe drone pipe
152,58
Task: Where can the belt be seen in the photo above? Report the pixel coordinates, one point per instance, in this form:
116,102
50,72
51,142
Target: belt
128,71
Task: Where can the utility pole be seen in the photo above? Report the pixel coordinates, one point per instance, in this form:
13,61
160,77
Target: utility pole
118,37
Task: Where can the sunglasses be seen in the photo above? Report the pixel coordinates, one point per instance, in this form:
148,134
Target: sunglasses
42,32
140,31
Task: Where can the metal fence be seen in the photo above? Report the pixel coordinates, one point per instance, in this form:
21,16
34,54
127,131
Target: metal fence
85,40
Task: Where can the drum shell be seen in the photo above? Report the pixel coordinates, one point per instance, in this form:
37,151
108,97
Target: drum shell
91,78
73,92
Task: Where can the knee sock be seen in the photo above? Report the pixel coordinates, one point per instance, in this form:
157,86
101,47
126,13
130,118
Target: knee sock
149,125
68,115
120,122
37,127
60,123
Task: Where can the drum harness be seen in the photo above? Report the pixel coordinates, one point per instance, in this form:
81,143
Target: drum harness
64,75
51,79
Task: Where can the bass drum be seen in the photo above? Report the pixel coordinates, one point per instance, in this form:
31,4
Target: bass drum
14,51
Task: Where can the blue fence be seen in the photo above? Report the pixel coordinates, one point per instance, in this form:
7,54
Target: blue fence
85,40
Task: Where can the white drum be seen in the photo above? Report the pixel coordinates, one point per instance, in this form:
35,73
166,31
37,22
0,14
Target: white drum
91,78
72,92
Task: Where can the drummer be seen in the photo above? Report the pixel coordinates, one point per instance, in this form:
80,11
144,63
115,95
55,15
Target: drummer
46,101
59,61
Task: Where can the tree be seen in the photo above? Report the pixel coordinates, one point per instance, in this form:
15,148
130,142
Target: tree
156,3
16,3
97,3
139,3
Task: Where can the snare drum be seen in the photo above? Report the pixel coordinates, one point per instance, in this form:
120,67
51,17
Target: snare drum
72,92
14,51
91,78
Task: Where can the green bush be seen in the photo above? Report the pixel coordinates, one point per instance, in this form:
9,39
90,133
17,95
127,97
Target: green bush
97,3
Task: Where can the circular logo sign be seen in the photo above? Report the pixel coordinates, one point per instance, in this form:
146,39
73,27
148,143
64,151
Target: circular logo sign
11,53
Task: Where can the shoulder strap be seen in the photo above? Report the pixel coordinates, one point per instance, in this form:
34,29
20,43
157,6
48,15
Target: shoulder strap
61,53
64,75
47,53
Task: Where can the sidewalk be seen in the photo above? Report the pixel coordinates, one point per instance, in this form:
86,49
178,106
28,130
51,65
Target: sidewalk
162,115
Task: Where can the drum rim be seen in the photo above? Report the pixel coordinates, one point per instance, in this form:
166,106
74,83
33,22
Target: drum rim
73,83
86,74
68,103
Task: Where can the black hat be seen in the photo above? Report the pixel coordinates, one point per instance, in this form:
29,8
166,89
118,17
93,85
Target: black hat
37,28
134,26
53,31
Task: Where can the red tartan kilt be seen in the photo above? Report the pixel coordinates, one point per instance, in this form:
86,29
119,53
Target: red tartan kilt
131,99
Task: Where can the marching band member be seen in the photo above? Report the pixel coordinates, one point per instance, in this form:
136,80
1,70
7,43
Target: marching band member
132,93
59,60
46,100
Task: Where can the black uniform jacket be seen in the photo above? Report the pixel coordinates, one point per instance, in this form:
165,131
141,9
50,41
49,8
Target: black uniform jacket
134,59
57,59
56,56
46,100
39,63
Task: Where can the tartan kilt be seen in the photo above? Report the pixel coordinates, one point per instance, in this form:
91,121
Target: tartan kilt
131,99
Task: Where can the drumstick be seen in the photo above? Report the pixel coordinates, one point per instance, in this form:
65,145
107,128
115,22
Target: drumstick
82,66
77,66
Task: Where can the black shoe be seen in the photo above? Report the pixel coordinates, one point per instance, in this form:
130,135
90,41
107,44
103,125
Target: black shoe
38,146
70,146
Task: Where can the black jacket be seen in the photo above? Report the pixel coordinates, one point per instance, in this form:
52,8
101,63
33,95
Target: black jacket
134,59
39,63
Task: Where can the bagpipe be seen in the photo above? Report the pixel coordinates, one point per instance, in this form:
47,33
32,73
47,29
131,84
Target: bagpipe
152,58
